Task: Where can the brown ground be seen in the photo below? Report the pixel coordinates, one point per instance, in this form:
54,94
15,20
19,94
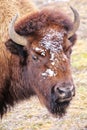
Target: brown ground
30,115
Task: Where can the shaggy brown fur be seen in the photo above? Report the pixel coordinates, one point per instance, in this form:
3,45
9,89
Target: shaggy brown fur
42,19
21,73
8,8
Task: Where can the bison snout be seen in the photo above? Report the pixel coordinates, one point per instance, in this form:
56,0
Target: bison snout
64,93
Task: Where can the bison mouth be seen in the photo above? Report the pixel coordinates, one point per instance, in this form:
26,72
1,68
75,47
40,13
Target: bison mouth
59,108
60,100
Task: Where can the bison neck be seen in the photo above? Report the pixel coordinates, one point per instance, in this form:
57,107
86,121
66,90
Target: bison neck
14,82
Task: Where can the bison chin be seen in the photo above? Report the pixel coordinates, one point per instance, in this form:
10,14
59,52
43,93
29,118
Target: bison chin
59,108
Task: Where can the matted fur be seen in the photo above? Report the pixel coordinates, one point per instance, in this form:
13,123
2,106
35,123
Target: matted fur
8,8
44,18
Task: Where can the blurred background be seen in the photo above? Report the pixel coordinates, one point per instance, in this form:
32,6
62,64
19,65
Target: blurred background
30,115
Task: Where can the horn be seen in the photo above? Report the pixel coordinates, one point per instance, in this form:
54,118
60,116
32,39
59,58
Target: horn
21,40
75,24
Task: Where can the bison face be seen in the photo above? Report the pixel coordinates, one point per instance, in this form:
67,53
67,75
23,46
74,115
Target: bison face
49,69
47,59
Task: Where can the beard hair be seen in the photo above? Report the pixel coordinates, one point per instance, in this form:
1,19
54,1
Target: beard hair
59,109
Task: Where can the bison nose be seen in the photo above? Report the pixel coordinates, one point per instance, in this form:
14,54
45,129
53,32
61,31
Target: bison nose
64,93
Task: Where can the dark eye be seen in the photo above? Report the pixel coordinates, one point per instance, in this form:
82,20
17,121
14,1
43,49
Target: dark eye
34,57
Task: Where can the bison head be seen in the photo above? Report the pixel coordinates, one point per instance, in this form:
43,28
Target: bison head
47,38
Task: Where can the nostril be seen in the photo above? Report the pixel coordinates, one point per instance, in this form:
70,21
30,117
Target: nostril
63,92
60,91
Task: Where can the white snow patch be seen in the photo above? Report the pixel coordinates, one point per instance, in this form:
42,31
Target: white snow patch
38,49
49,72
52,56
52,63
52,59
53,40
41,51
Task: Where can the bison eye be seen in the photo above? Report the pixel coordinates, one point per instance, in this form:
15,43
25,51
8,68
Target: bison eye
34,57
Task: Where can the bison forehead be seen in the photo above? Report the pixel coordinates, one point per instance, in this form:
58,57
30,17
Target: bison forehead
53,40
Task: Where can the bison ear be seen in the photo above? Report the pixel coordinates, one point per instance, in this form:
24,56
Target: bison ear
16,49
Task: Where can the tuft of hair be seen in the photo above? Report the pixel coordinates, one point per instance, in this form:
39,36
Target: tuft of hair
9,9
39,20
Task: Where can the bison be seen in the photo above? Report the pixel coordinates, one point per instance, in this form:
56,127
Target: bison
36,61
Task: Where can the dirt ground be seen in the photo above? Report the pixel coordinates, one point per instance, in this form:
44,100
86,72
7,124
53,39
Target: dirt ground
30,115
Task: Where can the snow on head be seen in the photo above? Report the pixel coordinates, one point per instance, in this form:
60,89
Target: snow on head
49,73
41,51
53,41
